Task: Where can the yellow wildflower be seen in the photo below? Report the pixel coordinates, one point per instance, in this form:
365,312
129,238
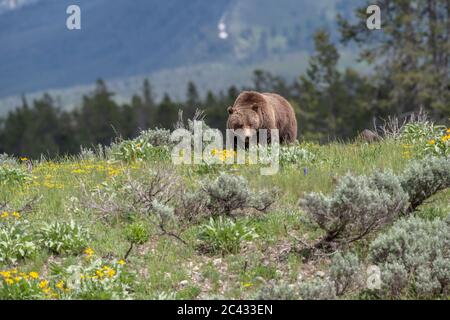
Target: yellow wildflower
432,142
5,274
43,284
16,215
89,252
46,290
99,273
121,262
34,275
23,159
9,281
5,215
111,273
60,285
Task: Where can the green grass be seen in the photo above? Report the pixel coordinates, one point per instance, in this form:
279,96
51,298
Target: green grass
163,264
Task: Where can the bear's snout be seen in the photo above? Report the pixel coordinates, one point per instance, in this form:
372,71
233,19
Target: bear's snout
248,132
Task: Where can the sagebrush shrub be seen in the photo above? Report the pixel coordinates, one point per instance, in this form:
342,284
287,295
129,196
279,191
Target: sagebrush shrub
228,193
345,272
157,137
132,195
225,235
414,258
277,291
423,178
5,159
191,207
64,237
359,206
345,276
317,289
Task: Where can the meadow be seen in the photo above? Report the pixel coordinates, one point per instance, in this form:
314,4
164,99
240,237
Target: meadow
124,223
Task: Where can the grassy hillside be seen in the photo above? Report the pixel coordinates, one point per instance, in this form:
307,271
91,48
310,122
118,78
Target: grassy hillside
187,258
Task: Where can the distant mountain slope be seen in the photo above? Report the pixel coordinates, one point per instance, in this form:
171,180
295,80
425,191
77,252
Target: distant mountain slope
118,38
122,39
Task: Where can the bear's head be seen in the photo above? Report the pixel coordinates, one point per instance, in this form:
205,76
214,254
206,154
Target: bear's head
246,113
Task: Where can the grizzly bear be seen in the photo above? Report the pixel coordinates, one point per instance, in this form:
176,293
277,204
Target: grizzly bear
254,110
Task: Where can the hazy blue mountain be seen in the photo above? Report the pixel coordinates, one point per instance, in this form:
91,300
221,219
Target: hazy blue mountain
122,41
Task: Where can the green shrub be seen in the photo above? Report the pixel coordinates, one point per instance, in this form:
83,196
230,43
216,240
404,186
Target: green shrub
15,285
13,176
225,235
150,145
426,138
100,280
89,279
414,258
358,207
295,155
131,151
423,178
137,233
431,213
16,242
64,237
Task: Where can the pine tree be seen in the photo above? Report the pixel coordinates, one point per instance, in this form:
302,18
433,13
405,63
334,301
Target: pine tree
167,113
411,54
193,100
331,104
99,120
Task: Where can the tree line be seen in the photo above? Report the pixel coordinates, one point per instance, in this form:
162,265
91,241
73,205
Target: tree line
410,67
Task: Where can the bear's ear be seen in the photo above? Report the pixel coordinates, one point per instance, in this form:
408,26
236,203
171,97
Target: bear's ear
230,110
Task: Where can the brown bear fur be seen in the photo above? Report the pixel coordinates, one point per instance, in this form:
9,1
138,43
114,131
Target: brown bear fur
254,110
